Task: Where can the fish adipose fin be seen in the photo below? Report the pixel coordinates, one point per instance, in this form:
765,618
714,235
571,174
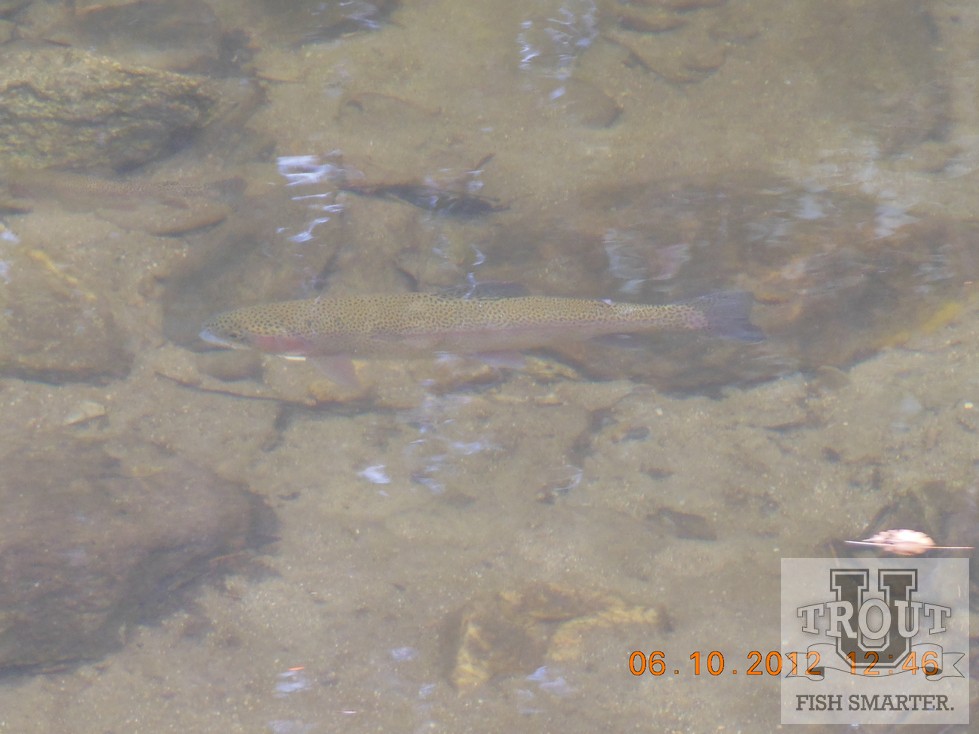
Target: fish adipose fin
728,315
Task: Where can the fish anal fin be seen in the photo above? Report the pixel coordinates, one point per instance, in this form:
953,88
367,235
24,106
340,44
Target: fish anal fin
340,369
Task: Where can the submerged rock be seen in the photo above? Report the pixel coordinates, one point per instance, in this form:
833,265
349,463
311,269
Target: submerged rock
177,35
835,277
681,41
314,21
514,632
89,546
53,327
64,107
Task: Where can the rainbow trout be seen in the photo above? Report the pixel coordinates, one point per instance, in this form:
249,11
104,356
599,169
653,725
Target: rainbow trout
409,325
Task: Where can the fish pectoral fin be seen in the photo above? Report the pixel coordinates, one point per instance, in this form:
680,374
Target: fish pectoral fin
340,369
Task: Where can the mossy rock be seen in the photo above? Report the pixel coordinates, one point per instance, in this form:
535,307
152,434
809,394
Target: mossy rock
67,108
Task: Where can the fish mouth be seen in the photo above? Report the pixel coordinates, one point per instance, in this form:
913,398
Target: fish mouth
219,341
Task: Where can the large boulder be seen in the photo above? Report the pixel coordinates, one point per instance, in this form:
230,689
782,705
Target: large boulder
89,546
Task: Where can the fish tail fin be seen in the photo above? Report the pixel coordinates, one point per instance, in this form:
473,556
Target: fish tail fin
728,315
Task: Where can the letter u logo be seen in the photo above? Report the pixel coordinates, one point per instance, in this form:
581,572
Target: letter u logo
882,628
